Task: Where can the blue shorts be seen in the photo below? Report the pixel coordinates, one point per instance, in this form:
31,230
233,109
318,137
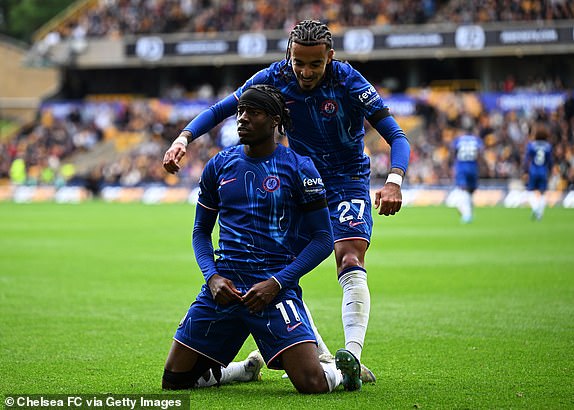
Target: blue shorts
350,208
218,332
537,181
466,177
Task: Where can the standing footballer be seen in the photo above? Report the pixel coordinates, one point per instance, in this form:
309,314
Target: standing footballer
329,101
537,167
467,149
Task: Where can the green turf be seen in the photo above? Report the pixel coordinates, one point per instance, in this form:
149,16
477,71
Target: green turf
477,316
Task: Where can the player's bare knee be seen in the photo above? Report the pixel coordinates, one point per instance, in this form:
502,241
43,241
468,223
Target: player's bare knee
312,382
349,260
314,385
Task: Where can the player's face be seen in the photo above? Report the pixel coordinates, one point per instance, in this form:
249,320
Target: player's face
254,126
309,64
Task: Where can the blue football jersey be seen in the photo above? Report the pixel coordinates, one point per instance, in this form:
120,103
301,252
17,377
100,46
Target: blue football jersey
259,202
467,148
328,121
539,163
539,157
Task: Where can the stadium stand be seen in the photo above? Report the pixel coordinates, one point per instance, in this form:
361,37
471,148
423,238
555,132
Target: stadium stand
121,17
93,18
488,11
118,139
139,131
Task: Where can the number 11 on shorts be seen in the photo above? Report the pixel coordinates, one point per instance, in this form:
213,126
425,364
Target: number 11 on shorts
284,313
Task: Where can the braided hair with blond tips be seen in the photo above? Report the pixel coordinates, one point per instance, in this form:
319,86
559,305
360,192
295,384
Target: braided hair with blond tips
309,33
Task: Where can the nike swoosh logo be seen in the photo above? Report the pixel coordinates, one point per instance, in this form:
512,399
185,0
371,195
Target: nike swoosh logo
291,328
353,224
226,181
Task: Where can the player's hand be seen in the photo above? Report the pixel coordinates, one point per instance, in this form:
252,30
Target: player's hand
172,156
388,199
260,295
223,290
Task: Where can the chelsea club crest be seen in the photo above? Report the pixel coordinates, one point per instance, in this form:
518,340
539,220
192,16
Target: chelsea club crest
271,183
329,108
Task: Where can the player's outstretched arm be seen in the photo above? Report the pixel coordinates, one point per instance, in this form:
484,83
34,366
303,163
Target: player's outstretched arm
201,124
389,199
176,152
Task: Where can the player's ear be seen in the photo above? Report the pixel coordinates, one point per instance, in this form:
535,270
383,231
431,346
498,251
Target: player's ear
330,55
276,120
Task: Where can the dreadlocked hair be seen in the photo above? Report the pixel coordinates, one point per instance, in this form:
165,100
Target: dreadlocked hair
309,33
280,108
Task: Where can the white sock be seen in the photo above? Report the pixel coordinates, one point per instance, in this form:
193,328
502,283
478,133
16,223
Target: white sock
466,205
203,382
533,201
458,199
541,205
321,346
333,375
355,309
234,372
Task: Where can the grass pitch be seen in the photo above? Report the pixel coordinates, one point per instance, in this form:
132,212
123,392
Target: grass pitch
475,316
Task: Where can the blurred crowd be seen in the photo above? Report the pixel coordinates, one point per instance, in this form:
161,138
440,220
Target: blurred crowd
505,135
116,18
53,149
45,151
490,11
